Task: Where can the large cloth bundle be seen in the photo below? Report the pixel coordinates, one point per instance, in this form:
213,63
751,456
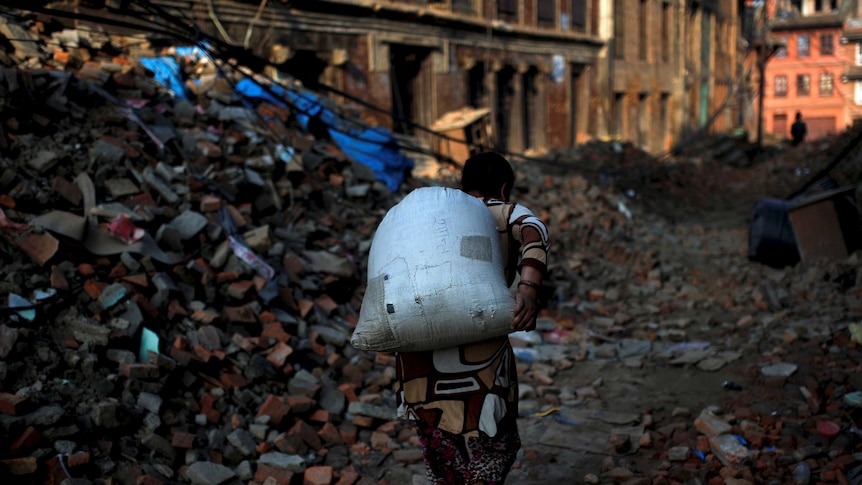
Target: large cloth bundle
435,276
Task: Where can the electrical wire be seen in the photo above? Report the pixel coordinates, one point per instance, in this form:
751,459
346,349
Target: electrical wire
182,29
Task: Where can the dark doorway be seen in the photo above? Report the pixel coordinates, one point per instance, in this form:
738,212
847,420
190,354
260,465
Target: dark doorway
532,115
410,76
779,125
503,116
575,86
476,89
306,67
643,123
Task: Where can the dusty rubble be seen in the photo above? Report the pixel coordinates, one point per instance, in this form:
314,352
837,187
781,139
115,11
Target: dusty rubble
180,280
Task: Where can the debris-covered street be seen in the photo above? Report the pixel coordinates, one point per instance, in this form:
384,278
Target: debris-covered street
181,274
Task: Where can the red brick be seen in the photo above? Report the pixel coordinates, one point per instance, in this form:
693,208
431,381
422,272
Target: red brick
78,459
27,441
67,190
224,277
242,342
205,316
202,353
233,380
148,308
94,288
300,404
348,434
19,466
139,371
275,331
137,280
274,407
307,434
86,270
279,354
148,480
239,289
348,476
119,271
330,435
326,303
349,392
318,475
241,314
210,203
11,404
181,439
320,416
282,477
207,402
40,247
58,279
175,308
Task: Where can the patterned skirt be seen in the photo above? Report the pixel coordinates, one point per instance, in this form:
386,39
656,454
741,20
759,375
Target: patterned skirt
452,459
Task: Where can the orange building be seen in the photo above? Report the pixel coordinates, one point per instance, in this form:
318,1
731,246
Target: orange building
812,72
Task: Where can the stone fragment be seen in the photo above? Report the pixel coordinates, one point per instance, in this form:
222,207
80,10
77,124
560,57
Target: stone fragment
208,473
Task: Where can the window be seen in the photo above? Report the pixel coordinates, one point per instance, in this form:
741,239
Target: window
780,86
463,6
803,45
857,92
827,48
507,10
803,84
546,16
826,84
579,14
859,53
619,29
781,52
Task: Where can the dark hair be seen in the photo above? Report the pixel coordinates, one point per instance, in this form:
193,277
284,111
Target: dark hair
487,173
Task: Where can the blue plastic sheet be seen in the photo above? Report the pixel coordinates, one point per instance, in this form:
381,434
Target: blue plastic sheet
167,72
374,147
371,146
149,343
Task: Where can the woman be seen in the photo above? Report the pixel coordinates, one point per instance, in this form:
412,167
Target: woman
464,400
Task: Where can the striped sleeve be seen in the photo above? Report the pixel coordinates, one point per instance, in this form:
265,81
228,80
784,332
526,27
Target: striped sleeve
533,235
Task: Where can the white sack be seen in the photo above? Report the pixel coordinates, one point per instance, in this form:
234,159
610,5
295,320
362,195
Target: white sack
435,276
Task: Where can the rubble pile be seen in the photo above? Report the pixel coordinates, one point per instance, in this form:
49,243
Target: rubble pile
180,279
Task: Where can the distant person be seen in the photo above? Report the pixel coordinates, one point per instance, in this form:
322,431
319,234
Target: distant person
798,130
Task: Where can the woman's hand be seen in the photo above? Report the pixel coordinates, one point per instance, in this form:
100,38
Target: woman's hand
526,305
526,309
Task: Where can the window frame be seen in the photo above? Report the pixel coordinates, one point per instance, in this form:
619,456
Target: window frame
827,84
554,11
799,84
578,7
824,51
806,52
781,81
507,10
781,52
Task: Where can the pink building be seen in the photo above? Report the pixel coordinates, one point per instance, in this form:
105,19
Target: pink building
809,74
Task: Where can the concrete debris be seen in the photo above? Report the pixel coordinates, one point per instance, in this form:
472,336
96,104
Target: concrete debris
206,264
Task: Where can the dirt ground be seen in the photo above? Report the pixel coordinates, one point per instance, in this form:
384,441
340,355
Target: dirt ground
579,443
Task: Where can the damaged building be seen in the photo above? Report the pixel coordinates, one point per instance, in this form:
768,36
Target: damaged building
543,74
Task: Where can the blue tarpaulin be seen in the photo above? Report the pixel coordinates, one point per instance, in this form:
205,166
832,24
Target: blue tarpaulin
167,72
372,146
